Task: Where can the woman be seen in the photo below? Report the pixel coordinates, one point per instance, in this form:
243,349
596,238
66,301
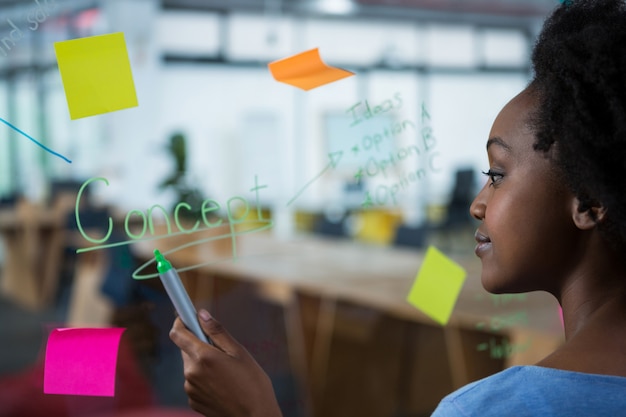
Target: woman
552,217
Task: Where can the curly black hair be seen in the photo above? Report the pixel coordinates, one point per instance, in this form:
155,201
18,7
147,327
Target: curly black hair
579,64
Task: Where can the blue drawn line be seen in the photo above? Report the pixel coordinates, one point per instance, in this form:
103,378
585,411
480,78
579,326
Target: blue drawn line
34,140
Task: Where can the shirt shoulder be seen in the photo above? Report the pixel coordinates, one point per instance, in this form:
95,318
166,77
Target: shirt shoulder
529,391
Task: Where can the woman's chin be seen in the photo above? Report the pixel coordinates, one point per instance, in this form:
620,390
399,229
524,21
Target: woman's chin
493,285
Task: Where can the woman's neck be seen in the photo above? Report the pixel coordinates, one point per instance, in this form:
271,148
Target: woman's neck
586,301
593,299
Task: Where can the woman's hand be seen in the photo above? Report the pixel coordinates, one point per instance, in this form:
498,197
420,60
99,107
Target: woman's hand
222,380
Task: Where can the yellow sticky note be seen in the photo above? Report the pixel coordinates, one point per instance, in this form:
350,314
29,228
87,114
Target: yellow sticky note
437,286
306,70
96,74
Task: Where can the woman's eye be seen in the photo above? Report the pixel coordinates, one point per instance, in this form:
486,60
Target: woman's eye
494,176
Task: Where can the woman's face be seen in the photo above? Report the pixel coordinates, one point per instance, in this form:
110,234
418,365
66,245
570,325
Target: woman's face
526,239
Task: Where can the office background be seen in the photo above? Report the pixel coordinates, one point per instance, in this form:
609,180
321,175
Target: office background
201,77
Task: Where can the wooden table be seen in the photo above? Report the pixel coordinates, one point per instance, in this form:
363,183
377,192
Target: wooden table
377,276
32,240
341,273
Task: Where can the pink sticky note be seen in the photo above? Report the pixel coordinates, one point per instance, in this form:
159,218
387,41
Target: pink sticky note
82,361
561,317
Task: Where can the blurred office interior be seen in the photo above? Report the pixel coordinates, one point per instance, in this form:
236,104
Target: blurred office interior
331,246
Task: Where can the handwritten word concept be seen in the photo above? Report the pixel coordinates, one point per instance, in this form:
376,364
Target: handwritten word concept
147,224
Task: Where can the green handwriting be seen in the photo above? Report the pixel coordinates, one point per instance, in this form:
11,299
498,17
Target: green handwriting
146,219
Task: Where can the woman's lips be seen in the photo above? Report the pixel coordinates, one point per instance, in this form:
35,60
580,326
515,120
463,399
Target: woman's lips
484,243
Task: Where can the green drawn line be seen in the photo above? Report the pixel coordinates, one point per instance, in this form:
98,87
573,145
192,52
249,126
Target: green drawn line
200,242
309,183
34,140
129,242
333,163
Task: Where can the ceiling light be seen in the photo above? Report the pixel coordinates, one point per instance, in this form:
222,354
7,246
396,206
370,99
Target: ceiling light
339,7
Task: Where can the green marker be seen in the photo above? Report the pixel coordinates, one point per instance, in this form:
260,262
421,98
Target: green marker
176,291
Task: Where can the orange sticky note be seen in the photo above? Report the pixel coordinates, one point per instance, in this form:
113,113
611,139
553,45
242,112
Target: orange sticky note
82,361
437,286
96,74
306,70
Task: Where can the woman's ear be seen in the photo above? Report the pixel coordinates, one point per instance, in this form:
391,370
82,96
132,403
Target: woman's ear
587,214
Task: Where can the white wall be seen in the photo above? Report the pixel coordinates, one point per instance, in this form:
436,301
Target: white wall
240,122
221,108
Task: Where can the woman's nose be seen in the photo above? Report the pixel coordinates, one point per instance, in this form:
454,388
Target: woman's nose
478,206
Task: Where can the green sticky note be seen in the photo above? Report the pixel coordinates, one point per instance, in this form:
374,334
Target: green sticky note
96,74
437,286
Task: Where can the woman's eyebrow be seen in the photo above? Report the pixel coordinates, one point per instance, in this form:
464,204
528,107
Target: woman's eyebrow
498,141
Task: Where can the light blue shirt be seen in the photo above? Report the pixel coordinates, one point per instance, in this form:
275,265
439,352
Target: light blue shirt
533,391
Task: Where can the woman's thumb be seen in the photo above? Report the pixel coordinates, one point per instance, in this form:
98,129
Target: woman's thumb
217,333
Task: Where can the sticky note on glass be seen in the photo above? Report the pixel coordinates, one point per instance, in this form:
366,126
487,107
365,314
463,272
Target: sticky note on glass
96,74
437,286
82,361
306,70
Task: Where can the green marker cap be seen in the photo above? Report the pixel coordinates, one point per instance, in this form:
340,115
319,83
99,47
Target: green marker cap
163,264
